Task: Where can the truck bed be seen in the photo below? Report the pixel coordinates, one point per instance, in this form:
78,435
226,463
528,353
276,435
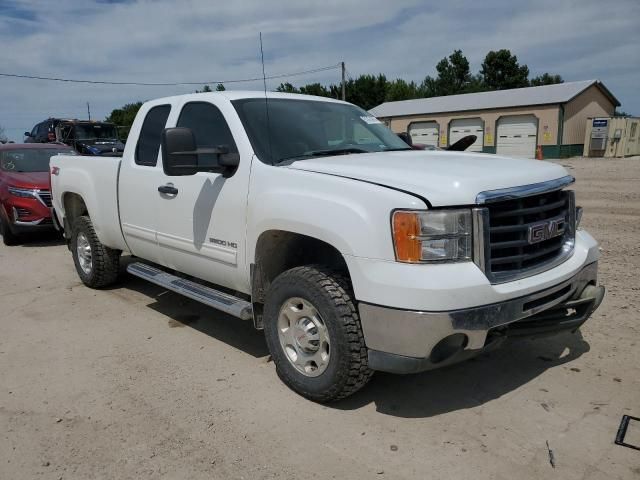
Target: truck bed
95,181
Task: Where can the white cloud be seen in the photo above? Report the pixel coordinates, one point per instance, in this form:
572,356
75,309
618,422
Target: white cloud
165,41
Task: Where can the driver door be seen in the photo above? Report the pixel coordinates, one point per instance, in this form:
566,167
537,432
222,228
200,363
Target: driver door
202,216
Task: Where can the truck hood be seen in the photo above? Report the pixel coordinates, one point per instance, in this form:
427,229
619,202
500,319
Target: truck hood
27,179
443,178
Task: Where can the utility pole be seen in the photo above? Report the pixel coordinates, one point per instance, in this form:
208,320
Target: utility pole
344,96
88,111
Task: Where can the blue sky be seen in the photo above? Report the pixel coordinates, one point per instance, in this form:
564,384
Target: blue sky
193,40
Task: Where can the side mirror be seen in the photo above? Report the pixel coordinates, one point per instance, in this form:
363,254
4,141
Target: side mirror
224,158
227,159
179,156
27,134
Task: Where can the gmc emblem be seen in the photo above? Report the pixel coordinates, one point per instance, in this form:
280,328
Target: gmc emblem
542,231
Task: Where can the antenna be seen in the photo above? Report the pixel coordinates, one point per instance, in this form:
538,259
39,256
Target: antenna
266,100
344,97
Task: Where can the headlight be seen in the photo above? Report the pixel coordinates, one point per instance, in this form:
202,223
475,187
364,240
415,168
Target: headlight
22,192
432,236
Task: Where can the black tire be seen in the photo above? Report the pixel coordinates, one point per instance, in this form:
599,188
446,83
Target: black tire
105,262
330,293
8,237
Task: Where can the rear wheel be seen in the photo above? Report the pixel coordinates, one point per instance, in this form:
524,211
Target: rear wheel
96,264
314,335
8,237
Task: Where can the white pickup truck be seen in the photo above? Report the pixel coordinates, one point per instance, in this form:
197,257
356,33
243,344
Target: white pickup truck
310,218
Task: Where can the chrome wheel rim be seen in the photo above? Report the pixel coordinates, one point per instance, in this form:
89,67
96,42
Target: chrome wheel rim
304,337
83,249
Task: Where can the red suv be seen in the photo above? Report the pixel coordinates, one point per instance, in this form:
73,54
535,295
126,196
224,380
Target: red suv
25,191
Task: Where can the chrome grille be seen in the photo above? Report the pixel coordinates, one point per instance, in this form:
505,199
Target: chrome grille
506,250
45,197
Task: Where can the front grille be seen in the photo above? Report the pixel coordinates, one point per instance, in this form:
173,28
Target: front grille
45,196
511,250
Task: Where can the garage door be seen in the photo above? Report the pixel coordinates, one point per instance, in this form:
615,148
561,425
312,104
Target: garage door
463,127
517,136
425,133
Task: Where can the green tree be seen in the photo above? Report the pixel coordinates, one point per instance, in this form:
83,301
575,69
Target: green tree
400,89
501,70
220,88
123,117
453,74
454,77
3,137
476,84
545,79
287,88
205,89
621,113
316,89
428,87
366,91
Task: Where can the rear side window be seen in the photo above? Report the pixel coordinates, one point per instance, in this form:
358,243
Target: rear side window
150,135
209,128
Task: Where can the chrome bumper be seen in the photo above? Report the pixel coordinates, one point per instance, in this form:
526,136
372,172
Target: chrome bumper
404,341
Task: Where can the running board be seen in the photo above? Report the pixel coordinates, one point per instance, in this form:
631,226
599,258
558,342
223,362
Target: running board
214,298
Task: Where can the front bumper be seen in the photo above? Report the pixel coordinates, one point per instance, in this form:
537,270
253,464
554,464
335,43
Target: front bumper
37,219
408,341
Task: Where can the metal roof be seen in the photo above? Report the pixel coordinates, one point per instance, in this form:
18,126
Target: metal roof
516,97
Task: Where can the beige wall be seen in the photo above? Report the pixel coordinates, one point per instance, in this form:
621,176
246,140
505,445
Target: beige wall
590,103
547,122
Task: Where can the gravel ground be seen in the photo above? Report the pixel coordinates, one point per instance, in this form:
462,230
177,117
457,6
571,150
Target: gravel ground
135,382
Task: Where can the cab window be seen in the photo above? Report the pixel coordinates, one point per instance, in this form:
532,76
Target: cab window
148,145
209,128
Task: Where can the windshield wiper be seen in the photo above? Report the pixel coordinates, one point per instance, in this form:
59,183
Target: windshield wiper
397,149
337,151
323,153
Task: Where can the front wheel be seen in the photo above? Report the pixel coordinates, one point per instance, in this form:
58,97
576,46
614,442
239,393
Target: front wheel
96,264
8,237
314,335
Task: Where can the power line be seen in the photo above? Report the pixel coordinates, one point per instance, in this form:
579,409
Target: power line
349,76
145,84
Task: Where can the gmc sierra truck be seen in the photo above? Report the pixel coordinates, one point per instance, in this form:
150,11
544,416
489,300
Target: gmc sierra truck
353,252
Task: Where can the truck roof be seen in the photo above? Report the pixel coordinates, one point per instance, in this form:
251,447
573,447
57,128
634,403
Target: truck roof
242,94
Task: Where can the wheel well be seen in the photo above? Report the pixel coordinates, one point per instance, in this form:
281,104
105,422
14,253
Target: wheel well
74,207
278,251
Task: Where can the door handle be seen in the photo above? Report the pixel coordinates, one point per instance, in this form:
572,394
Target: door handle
168,189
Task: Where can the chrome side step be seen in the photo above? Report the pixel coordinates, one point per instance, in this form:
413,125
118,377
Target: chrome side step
219,300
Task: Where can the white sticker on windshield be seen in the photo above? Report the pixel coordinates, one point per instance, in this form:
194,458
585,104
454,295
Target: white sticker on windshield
370,120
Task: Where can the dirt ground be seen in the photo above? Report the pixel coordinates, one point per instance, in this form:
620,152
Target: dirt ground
135,382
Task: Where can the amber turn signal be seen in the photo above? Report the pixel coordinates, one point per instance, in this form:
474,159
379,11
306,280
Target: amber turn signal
406,229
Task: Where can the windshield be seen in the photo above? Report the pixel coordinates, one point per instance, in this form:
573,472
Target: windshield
301,129
97,131
29,159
